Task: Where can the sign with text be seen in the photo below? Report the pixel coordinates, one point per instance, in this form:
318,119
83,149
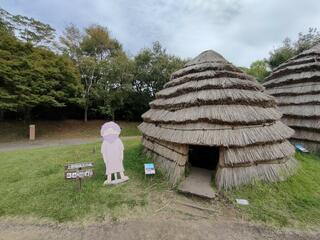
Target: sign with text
149,169
78,174
78,171
73,166
301,148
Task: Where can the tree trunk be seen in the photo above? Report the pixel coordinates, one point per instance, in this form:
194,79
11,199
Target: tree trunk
86,113
113,116
27,115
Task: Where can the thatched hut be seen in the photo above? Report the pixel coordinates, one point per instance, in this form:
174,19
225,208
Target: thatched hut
210,114
296,86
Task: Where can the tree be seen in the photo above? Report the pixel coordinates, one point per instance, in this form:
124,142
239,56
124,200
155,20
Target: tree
32,76
307,40
115,85
90,51
153,68
281,54
258,69
289,48
28,29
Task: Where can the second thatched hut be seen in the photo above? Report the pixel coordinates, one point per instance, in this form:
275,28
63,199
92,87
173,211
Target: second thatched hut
212,115
296,86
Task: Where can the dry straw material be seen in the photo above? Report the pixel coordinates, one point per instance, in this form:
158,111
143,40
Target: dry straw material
296,86
210,102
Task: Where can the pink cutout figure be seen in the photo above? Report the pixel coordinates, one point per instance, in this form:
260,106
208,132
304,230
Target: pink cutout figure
112,152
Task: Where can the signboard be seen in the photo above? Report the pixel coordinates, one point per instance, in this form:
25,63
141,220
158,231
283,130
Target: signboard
78,174
78,171
300,148
149,169
72,166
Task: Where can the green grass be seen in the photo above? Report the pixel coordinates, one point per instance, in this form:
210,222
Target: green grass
18,131
32,184
295,202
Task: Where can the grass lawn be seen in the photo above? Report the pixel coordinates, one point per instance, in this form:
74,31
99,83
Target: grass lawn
18,131
295,202
32,184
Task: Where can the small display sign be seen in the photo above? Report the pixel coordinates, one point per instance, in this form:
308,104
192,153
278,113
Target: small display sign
301,148
78,171
72,166
79,174
149,169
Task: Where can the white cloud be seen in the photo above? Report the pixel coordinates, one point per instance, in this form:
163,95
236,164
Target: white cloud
242,31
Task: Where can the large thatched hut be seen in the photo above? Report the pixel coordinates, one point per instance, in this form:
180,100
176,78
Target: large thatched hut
296,86
212,115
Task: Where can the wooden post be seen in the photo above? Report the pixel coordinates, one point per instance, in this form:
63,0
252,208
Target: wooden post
79,184
32,132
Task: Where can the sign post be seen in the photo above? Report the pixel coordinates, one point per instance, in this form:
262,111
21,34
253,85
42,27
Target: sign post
32,132
78,171
149,169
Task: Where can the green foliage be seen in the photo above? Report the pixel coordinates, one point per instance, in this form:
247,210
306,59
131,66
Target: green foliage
258,69
115,85
98,43
290,49
295,202
12,131
33,76
92,52
281,54
32,184
153,69
28,29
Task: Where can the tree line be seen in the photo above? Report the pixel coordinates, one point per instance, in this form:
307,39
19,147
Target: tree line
260,69
85,73
82,73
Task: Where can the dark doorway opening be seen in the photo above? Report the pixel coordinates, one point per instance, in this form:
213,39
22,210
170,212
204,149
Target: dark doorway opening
204,157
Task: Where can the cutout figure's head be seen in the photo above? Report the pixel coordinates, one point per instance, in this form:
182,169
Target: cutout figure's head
110,131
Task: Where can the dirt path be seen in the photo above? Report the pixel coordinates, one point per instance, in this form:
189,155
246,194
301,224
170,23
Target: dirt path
169,216
150,228
50,143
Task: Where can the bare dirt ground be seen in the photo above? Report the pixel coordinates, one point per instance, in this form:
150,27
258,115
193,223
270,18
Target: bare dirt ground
169,216
148,228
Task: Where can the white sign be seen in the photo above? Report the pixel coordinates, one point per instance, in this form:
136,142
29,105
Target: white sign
149,169
242,201
72,166
79,174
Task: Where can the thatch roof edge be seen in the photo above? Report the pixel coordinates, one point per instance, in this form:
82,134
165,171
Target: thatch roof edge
207,74
213,97
220,114
246,135
295,89
207,84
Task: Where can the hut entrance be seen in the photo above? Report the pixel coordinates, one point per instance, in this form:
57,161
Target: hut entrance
204,157
204,161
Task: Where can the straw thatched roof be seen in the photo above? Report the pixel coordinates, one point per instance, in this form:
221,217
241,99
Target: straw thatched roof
211,102
296,85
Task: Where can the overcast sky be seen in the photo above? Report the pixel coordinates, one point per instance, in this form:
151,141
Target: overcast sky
241,30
